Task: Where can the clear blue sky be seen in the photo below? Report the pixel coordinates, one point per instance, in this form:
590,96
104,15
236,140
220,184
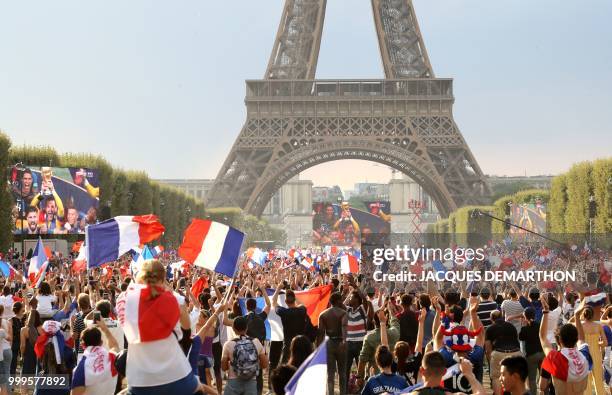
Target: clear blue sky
159,85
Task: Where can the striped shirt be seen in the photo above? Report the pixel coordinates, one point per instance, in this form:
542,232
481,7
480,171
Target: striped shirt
356,327
513,308
484,312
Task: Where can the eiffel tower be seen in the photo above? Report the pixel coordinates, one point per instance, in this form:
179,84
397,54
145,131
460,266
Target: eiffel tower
295,121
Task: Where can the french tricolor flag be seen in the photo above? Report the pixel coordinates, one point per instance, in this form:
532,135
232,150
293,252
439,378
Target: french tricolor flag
157,250
311,376
569,364
212,245
38,264
293,253
146,319
110,239
8,270
349,264
307,263
256,255
95,368
595,298
80,262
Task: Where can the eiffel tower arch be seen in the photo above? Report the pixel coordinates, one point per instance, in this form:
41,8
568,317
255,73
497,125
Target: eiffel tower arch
295,122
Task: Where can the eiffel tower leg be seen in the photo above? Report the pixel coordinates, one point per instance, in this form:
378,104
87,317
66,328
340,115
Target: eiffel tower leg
296,47
400,41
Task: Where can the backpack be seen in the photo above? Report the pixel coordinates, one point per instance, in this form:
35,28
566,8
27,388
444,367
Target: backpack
245,359
256,327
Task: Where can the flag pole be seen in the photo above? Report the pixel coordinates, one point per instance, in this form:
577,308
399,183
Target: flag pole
236,271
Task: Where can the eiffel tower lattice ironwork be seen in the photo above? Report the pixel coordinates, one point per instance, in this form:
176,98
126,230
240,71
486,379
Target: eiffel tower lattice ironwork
295,122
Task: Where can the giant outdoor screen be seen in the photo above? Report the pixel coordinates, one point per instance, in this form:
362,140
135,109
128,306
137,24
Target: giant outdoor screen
53,200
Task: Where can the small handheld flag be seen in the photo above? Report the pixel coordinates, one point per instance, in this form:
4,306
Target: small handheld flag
8,270
199,285
349,264
38,264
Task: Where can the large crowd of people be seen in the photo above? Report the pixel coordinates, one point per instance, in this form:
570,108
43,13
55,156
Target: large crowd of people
179,329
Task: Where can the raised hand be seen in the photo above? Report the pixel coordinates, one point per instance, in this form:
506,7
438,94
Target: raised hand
436,304
544,301
474,302
422,314
466,367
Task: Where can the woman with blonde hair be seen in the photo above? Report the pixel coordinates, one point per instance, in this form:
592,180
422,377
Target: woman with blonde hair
149,313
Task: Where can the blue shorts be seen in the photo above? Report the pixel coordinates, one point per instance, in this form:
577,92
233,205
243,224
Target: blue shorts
204,362
185,386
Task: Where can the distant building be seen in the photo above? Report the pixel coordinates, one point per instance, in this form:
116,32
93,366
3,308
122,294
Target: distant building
291,210
412,209
537,182
295,197
369,189
327,194
197,188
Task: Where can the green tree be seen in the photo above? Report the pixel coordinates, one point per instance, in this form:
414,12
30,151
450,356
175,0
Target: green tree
578,192
105,171
511,188
602,188
6,201
34,156
555,217
141,197
120,199
502,211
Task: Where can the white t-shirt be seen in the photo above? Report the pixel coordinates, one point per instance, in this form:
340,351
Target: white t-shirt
568,311
193,319
221,334
374,301
553,321
114,328
6,345
7,302
45,305
158,362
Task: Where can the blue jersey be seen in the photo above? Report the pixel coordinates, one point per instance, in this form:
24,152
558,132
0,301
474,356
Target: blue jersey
382,383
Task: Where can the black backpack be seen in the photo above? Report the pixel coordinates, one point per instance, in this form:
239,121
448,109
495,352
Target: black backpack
256,327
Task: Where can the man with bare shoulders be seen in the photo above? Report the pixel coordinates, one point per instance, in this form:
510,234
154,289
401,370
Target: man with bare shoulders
333,323
570,366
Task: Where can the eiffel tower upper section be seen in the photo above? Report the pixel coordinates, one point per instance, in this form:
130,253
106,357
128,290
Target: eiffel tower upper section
295,121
